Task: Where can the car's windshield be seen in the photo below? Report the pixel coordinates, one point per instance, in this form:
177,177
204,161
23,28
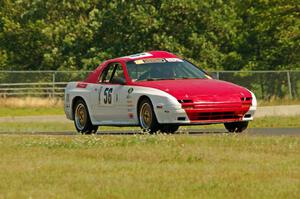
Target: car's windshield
163,69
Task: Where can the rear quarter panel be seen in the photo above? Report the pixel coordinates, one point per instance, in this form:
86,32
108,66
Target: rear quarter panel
71,92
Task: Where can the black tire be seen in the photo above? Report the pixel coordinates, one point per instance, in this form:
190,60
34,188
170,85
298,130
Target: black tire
169,128
236,127
147,118
82,119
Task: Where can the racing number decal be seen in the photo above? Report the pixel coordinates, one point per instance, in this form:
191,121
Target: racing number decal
108,95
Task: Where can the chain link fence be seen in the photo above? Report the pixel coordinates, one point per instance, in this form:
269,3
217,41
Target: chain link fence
265,84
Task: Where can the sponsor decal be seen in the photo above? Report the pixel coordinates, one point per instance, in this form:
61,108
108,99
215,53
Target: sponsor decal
130,115
150,60
156,60
139,55
174,60
130,90
81,85
140,61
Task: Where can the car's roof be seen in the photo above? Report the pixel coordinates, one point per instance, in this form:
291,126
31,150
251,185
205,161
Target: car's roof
144,55
93,76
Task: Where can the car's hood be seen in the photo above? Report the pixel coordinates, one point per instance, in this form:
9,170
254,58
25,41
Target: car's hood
199,89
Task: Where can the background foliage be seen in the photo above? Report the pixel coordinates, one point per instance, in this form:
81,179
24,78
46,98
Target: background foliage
215,34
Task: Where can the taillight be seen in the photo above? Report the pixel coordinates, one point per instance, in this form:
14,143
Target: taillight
81,85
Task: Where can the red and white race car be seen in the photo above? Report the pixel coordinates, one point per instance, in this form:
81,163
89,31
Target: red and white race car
157,91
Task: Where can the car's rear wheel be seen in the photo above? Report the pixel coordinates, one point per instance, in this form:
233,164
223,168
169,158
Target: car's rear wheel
236,127
169,128
147,118
82,119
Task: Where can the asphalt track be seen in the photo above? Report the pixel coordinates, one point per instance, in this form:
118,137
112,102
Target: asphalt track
194,132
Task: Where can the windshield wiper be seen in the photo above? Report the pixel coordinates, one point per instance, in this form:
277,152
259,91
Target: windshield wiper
172,78
155,79
187,78
152,79
183,78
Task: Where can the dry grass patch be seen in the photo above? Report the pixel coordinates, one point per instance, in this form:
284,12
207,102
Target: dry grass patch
277,102
29,106
31,102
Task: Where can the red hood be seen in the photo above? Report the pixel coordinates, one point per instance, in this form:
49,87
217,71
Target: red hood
199,89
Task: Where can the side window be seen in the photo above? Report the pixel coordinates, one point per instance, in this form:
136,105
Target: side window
113,73
118,75
107,73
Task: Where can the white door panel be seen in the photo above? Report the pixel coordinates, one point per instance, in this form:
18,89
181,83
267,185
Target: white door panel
104,103
110,104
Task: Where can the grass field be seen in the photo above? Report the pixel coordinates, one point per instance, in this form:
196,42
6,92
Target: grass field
144,166
36,106
28,111
30,106
149,166
31,127
276,102
43,106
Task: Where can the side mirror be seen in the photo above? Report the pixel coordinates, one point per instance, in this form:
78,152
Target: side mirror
118,80
213,75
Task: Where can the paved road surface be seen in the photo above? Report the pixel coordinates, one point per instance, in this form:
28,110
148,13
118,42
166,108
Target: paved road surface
251,131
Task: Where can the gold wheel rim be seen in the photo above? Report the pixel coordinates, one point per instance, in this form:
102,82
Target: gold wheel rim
146,116
80,116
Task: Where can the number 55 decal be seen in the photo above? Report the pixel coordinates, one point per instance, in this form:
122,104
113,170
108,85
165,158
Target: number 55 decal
108,95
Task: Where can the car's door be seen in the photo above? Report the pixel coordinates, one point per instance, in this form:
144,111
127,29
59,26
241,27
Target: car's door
111,105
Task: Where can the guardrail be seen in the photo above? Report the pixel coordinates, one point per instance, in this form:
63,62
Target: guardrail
265,84
37,83
44,89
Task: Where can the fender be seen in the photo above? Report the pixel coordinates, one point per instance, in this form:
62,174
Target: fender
72,91
164,104
252,108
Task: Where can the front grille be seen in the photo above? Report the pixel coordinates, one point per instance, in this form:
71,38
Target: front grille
214,116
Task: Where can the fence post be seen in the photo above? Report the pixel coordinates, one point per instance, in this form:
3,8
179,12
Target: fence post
53,84
289,84
218,74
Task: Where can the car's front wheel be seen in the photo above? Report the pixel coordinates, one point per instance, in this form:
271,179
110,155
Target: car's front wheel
147,118
236,127
82,119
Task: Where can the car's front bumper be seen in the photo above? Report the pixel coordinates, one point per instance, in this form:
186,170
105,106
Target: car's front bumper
206,113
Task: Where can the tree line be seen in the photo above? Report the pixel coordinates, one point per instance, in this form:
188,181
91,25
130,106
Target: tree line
214,34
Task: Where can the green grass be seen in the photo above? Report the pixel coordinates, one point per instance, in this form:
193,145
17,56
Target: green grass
31,127
8,111
276,122
58,109
149,166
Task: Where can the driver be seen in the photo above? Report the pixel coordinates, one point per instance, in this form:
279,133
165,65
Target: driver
161,72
